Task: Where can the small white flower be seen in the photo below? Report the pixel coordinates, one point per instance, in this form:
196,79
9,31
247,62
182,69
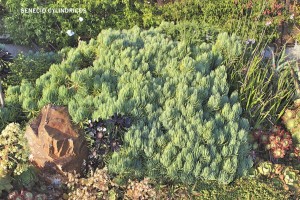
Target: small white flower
70,32
292,16
104,129
80,19
268,23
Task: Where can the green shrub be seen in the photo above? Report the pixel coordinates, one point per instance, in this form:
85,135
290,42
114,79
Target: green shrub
13,151
5,60
242,17
49,29
247,18
5,184
191,32
186,124
24,68
11,113
30,67
13,155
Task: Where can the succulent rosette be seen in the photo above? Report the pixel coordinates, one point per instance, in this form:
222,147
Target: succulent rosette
277,141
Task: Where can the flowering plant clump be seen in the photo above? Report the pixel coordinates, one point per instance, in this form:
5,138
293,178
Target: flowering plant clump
277,141
14,165
13,151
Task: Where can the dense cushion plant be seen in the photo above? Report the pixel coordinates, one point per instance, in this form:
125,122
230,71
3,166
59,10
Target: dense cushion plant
186,125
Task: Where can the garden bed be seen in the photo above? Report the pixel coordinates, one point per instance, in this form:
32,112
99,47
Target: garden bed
150,100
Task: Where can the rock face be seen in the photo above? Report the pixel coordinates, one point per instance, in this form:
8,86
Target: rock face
54,142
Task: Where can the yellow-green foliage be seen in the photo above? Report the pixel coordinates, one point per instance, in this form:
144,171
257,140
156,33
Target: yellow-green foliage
187,126
13,150
241,189
13,155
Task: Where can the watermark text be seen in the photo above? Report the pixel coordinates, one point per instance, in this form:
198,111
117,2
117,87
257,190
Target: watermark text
52,10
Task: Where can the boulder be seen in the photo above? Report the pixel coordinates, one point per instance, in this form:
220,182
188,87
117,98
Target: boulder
55,143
